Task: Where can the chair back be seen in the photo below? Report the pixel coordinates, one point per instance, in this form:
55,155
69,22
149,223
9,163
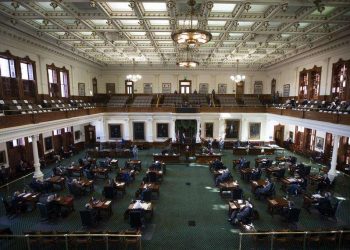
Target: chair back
44,214
135,219
146,195
6,205
293,215
108,192
152,177
237,194
86,218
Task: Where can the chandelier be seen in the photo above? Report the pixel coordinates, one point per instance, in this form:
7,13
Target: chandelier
133,77
237,78
188,62
190,36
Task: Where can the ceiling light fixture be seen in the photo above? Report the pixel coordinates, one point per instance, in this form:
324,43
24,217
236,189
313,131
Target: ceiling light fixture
54,5
320,6
15,5
133,77
188,62
190,36
92,4
237,78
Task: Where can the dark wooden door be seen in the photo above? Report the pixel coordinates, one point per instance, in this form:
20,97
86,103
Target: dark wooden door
90,134
279,135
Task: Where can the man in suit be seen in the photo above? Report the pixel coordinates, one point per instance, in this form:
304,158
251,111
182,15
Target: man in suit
324,205
241,214
264,189
324,183
225,175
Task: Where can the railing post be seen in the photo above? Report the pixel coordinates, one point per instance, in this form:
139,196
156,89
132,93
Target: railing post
340,236
107,247
240,241
272,240
304,243
66,241
28,243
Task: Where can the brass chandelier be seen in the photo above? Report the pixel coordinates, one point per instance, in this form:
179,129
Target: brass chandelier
188,62
190,36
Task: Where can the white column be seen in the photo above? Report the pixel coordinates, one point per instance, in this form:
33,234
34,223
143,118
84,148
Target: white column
126,129
172,132
198,139
333,172
222,128
149,130
37,172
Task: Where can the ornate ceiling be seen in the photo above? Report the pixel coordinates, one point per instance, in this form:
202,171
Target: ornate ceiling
258,33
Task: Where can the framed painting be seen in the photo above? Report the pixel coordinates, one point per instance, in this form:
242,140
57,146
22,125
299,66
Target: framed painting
254,130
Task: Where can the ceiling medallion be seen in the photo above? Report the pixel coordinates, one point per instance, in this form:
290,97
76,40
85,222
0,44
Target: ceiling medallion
190,36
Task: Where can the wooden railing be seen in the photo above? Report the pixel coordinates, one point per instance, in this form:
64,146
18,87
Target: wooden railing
25,119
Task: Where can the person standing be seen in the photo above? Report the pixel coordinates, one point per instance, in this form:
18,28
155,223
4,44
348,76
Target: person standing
221,144
135,152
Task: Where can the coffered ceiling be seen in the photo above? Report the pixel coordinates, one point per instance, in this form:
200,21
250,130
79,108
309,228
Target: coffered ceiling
258,33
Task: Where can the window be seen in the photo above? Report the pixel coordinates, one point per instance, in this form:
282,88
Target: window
58,80
67,129
57,132
77,135
209,128
185,87
48,143
18,142
27,71
139,131
2,157
162,130
7,67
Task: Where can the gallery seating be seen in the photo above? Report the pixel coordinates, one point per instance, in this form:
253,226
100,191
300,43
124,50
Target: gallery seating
118,101
142,101
227,101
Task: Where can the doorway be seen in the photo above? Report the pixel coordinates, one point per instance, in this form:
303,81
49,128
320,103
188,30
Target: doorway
90,135
185,86
110,88
129,87
240,88
279,135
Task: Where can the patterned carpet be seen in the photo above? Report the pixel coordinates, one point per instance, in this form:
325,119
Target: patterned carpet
190,214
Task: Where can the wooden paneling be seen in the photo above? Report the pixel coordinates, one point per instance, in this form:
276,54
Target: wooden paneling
50,116
293,113
320,116
344,119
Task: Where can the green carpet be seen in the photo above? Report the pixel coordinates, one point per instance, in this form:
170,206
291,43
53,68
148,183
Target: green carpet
190,214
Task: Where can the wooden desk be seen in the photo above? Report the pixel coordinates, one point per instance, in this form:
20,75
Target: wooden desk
57,180
100,172
150,185
257,184
131,172
159,173
206,158
253,151
260,160
167,158
134,164
276,204
75,170
102,206
286,181
228,186
65,201
245,173
310,200
87,184
235,205
120,186
147,207
31,198
112,153
273,169
315,179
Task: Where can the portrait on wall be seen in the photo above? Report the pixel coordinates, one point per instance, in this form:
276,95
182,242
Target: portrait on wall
166,88
77,135
139,130
147,88
209,129
115,131
258,87
222,88
203,88
162,130
232,129
2,157
48,143
254,130
319,142
286,89
81,89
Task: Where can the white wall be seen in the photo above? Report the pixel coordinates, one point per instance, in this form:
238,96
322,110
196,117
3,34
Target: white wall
4,148
79,72
289,73
157,77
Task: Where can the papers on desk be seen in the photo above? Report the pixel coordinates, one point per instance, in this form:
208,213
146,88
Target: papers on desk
240,201
292,180
27,195
317,196
107,203
120,184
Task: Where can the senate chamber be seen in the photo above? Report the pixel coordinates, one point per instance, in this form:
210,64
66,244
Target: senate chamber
175,124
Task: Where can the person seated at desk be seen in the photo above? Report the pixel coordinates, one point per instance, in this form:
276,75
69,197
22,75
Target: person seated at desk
264,189
41,186
324,183
51,204
156,166
324,205
88,173
241,163
241,215
297,187
221,144
4,175
22,167
238,144
76,183
286,210
217,165
94,213
17,202
225,175
59,170
255,174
